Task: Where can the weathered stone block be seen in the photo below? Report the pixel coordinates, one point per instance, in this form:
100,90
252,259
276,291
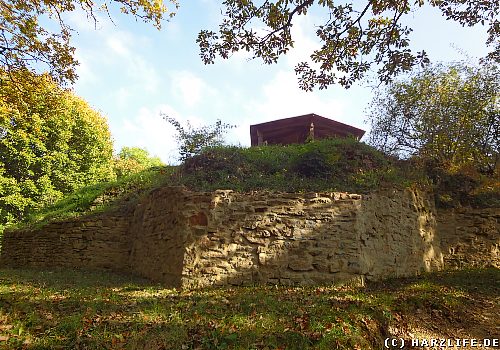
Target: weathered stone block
301,263
199,219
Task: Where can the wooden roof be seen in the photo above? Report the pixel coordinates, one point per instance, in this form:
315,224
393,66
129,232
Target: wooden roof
297,130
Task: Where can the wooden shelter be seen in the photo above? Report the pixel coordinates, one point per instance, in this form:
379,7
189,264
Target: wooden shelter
299,129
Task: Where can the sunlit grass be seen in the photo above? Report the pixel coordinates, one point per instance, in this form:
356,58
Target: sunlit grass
64,309
101,196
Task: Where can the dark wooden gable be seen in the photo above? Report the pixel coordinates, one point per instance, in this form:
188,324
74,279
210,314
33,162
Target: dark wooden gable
298,129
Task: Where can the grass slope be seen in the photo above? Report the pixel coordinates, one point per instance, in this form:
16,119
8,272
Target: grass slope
327,165
42,309
344,165
101,197
324,165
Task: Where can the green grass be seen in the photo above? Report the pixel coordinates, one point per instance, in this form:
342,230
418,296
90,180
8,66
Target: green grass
101,197
62,309
324,165
344,165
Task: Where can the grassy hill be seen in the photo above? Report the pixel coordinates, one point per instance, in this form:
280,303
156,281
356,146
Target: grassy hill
325,165
328,165
101,197
344,165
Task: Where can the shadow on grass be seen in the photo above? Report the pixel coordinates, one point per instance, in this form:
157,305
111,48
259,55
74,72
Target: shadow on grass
42,309
60,278
484,281
71,309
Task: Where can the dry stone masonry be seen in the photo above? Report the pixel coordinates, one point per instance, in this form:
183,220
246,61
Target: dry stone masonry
191,239
98,242
470,237
307,239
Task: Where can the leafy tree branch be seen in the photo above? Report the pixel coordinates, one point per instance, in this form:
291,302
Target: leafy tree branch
353,40
26,44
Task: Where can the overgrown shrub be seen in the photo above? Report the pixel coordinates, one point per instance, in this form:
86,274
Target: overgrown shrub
334,165
192,140
464,186
313,164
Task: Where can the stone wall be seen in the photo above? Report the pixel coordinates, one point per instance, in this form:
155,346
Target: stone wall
190,239
470,237
158,235
94,242
87,242
315,238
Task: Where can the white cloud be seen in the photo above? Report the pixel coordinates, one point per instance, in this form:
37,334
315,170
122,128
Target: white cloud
119,45
116,52
148,130
305,42
189,88
82,22
145,75
240,136
122,96
283,98
84,69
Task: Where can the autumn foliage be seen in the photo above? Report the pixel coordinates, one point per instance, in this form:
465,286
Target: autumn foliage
51,143
445,114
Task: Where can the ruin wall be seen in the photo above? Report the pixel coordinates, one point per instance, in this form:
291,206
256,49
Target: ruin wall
192,239
470,237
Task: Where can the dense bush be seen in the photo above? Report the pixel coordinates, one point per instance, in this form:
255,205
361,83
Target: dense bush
465,186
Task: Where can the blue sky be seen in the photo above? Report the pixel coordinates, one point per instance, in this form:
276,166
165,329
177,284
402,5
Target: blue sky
131,72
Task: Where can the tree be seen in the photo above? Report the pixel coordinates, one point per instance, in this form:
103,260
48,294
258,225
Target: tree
353,39
448,114
51,143
193,140
25,43
131,160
